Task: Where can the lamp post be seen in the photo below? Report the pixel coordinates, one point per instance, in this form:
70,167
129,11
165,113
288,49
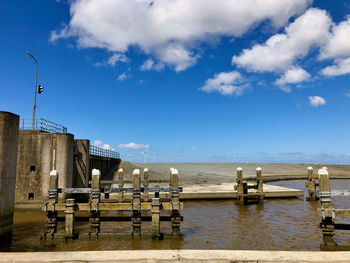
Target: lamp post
35,88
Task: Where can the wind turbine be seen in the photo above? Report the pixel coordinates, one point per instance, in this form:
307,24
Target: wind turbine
145,156
130,157
154,156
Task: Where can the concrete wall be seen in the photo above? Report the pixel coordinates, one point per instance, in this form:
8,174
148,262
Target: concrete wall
39,153
8,161
106,165
81,163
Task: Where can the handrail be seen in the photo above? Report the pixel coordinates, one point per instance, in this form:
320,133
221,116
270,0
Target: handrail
42,125
94,150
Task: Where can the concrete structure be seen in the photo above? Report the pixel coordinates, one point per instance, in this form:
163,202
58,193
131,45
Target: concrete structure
143,256
8,160
39,153
82,163
226,191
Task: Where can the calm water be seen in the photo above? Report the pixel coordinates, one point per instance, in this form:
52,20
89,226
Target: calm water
281,224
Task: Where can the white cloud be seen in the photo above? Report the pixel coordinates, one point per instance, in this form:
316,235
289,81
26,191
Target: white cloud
117,57
316,101
122,77
226,83
133,145
292,76
102,145
193,147
280,51
169,29
338,44
341,67
347,94
338,48
150,65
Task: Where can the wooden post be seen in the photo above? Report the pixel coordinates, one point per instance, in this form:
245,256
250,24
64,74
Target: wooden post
69,224
51,215
145,183
175,203
120,184
244,198
94,204
136,204
239,185
260,185
311,184
156,218
327,221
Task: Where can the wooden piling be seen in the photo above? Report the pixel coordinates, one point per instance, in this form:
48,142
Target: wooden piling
120,183
311,184
145,184
136,204
175,203
156,218
327,221
95,223
51,215
70,213
260,185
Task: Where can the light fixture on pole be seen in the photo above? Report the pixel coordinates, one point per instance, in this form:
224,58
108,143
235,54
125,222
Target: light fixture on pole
35,88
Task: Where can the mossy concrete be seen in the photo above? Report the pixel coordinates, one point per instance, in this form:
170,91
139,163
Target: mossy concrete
8,160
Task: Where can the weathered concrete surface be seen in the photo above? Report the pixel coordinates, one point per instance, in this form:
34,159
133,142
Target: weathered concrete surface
106,165
140,256
82,163
44,151
226,191
8,161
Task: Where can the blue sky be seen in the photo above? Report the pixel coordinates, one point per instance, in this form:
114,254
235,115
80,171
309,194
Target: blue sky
186,81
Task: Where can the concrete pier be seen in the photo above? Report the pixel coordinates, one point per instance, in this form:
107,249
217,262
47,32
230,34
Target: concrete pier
140,256
8,161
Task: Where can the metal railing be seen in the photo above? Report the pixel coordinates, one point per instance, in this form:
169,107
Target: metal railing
42,125
94,150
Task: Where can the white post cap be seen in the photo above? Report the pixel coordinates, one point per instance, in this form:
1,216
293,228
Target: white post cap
258,169
96,172
54,172
120,170
145,170
239,169
174,171
136,172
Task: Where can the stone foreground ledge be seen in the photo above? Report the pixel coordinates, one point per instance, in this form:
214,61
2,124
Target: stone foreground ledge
141,256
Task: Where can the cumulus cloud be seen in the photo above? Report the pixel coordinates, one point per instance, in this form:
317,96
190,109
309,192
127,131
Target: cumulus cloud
338,43
280,51
316,101
292,76
122,77
338,48
149,64
226,83
169,29
341,67
133,145
102,145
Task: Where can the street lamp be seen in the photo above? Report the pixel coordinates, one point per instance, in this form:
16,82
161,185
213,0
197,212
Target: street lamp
35,88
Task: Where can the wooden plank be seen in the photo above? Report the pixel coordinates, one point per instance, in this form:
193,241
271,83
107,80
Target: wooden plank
110,206
337,212
340,193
